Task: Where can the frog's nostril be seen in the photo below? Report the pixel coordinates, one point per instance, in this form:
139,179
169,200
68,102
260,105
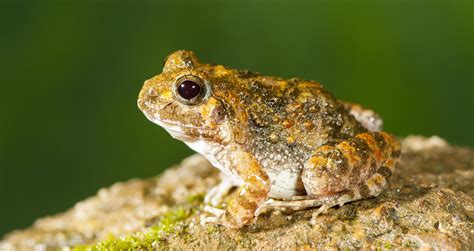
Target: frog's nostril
152,92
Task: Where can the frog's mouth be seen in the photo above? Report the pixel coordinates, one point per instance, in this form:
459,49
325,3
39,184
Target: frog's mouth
178,135
175,130
172,128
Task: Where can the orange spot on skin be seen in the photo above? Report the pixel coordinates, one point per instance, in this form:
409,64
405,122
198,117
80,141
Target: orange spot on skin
389,163
378,179
359,234
318,161
293,107
324,148
391,140
290,139
308,125
369,139
315,85
220,71
302,97
207,109
167,95
288,123
349,152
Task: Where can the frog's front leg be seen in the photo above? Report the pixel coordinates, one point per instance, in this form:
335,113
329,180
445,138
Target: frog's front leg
217,193
251,194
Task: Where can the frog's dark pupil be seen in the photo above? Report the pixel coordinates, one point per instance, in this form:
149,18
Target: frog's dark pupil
189,89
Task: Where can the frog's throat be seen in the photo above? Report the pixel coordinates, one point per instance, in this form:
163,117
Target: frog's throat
215,153
212,151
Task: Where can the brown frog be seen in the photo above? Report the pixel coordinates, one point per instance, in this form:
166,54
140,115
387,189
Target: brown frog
285,142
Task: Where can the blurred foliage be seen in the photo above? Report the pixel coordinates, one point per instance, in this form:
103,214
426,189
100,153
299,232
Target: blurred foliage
71,72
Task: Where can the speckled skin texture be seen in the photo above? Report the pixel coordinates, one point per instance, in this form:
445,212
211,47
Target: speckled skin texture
284,142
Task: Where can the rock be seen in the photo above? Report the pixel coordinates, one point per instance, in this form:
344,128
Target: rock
429,203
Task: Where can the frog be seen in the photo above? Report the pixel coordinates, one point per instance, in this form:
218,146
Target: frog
283,143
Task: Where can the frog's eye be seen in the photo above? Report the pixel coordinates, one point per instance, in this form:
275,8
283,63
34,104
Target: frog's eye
190,90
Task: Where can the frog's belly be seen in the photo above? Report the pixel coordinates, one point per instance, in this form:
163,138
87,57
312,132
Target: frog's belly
285,183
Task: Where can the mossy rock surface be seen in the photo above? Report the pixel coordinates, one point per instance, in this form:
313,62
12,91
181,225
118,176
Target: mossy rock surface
429,203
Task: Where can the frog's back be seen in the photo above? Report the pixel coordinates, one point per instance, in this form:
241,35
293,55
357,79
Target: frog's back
288,113
282,121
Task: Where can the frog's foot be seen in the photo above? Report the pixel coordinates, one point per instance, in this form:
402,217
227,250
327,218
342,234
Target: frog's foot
297,203
368,118
216,217
216,194
338,200
303,202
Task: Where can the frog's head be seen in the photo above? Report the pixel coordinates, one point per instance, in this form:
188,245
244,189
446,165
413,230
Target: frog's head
180,100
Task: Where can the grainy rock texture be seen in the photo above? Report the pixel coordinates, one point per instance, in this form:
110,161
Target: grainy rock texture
429,203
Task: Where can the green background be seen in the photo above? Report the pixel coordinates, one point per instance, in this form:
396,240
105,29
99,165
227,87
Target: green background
71,72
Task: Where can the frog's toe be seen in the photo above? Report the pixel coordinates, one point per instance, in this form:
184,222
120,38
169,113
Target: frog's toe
323,209
268,204
216,217
214,211
210,220
210,195
216,195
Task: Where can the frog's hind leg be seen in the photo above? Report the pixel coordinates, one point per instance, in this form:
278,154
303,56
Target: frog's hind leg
351,170
370,188
354,169
368,118
350,163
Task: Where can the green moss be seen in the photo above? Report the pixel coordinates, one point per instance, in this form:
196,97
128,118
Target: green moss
411,244
154,237
195,198
211,229
388,245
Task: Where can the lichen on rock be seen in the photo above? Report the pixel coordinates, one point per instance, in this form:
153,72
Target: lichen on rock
429,203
